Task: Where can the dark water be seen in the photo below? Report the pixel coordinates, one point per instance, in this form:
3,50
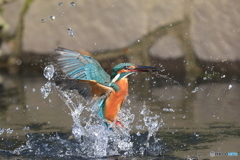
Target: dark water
193,121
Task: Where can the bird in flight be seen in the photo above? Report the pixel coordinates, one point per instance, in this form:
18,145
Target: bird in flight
85,74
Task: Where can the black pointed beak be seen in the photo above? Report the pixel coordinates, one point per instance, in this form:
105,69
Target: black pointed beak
144,69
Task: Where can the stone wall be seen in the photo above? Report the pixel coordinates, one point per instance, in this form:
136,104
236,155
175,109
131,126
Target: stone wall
205,31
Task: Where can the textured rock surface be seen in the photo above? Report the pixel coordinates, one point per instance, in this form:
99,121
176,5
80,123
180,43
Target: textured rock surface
215,30
163,12
167,47
10,15
98,26
212,26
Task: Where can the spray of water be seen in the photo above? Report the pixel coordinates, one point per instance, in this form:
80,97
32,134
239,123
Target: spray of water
91,138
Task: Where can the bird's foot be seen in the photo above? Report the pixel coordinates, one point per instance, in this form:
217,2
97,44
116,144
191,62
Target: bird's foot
119,123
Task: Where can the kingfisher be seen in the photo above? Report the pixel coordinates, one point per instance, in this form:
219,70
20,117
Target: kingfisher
85,74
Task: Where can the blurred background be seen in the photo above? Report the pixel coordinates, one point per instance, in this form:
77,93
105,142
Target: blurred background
193,42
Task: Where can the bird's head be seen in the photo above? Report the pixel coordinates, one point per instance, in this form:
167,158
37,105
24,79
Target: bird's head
123,70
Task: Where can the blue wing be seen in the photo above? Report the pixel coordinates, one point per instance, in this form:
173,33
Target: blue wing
81,67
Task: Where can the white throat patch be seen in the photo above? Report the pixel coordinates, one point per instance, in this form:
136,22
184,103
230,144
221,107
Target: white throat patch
115,78
118,75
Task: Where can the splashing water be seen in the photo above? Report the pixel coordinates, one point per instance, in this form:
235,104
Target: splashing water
71,32
52,17
91,138
95,139
48,72
1,130
9,131
46,90
43,20
72,4
152,124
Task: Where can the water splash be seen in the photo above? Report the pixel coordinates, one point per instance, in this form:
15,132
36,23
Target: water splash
1,130
9,131
48,72
195,90
72,4
95,139
71,32
151,122
90,137
52,17
43,20
46,90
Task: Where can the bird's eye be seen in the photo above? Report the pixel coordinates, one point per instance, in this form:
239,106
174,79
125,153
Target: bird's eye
125,67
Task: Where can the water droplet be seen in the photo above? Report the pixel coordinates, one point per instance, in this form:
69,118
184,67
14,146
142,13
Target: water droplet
26,128
1,130
43,20
213,114
71,32
9,131
168,110
139,127
33,90
72,4
60,4
196,134
46,89
138,40
195,90
52,17
48,72
138,134
37,108
230,86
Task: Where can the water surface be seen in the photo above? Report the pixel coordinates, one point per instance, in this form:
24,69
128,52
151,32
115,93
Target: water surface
192,121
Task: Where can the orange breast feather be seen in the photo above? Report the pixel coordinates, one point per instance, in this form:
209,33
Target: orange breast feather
115,100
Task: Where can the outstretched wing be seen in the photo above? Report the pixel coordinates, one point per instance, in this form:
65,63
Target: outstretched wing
83,72
88,89
77,66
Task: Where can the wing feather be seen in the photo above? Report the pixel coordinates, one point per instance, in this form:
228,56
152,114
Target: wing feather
87,89
77,66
